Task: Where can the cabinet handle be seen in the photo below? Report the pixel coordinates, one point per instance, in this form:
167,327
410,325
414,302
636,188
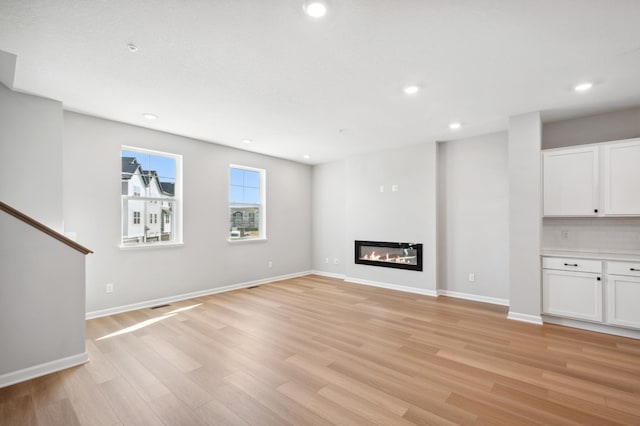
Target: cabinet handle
634,269
570,264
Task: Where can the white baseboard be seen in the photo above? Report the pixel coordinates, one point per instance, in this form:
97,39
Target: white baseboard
329,274
533,319
474,297
600,328
407,289
185,296
42,369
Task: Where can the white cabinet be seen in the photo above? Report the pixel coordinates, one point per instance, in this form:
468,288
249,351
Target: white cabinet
570,181
623,294
570,292
592,180
621,178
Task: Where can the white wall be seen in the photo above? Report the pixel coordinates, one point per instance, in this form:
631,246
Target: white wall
525,217
31,153
624,124
408,215
473,211
329,213
207,260
41,303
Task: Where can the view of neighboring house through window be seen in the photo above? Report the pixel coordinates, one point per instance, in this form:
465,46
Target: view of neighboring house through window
246,203
150,198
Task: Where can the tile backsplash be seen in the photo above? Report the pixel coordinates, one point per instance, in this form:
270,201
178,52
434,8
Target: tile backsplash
602,234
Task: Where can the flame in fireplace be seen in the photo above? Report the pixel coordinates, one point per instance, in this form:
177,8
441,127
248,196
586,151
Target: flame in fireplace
390,258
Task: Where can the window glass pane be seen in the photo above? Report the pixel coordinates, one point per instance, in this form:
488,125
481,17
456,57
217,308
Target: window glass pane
148,175
251,195
245,203
251,178
236,176
236,194
164,167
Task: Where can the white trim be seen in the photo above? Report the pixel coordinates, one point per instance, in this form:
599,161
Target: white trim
42,369
532,319
329,274
474,297
590,326
155,245
407,289
177,297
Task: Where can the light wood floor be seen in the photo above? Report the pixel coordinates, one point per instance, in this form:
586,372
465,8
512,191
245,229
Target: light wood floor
316,351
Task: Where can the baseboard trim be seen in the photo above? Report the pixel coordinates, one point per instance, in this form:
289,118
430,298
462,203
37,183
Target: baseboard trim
532,319
185,296
474,297
42,369
328,274
589,326
388,286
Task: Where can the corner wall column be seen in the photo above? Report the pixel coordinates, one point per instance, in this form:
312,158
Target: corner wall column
525,141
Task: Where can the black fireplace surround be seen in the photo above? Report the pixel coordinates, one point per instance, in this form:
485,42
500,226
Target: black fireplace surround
389,254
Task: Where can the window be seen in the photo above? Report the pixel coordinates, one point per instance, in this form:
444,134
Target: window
246,203
151,185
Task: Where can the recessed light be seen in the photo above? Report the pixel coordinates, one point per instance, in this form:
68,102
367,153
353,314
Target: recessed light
315,8
306,156
411,89
132,48
247,141
454,126
583,87
150,116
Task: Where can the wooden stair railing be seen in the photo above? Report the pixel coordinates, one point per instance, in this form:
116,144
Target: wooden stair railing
43,228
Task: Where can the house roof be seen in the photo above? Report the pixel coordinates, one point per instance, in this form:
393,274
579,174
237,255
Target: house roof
129,167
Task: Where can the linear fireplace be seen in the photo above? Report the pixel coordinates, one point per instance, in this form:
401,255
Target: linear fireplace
389,254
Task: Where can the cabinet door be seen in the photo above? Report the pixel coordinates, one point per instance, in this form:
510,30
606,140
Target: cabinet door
571,182
572,294
622,178
623,298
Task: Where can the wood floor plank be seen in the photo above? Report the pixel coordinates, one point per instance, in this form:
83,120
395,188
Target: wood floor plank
317,350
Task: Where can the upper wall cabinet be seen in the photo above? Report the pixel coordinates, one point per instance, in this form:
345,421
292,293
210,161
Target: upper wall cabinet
621,178
571,181
593,180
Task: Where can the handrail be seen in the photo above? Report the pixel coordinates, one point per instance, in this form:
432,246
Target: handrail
43,228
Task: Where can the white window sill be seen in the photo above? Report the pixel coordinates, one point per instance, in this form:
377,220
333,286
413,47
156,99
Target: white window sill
248,240
144,246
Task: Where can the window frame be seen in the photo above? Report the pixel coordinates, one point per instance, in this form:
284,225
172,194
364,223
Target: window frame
262,204
176,200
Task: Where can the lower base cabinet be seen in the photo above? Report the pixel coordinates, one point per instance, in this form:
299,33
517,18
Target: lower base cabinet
572,294
623,301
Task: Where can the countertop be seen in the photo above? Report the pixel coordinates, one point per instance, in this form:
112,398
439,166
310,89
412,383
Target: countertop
622,256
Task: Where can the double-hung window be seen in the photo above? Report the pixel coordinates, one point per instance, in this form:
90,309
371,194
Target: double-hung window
247,218
151,197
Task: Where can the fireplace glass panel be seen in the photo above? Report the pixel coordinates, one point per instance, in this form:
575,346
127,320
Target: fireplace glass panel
389,254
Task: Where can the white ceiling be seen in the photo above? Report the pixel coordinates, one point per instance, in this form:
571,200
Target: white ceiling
226,70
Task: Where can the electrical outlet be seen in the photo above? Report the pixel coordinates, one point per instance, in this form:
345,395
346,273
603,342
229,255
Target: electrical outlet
270,264
395,188
326,260
472,277
109,288
564,235
335,261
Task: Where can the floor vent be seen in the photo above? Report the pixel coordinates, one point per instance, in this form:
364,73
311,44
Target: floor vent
253,286
160,306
